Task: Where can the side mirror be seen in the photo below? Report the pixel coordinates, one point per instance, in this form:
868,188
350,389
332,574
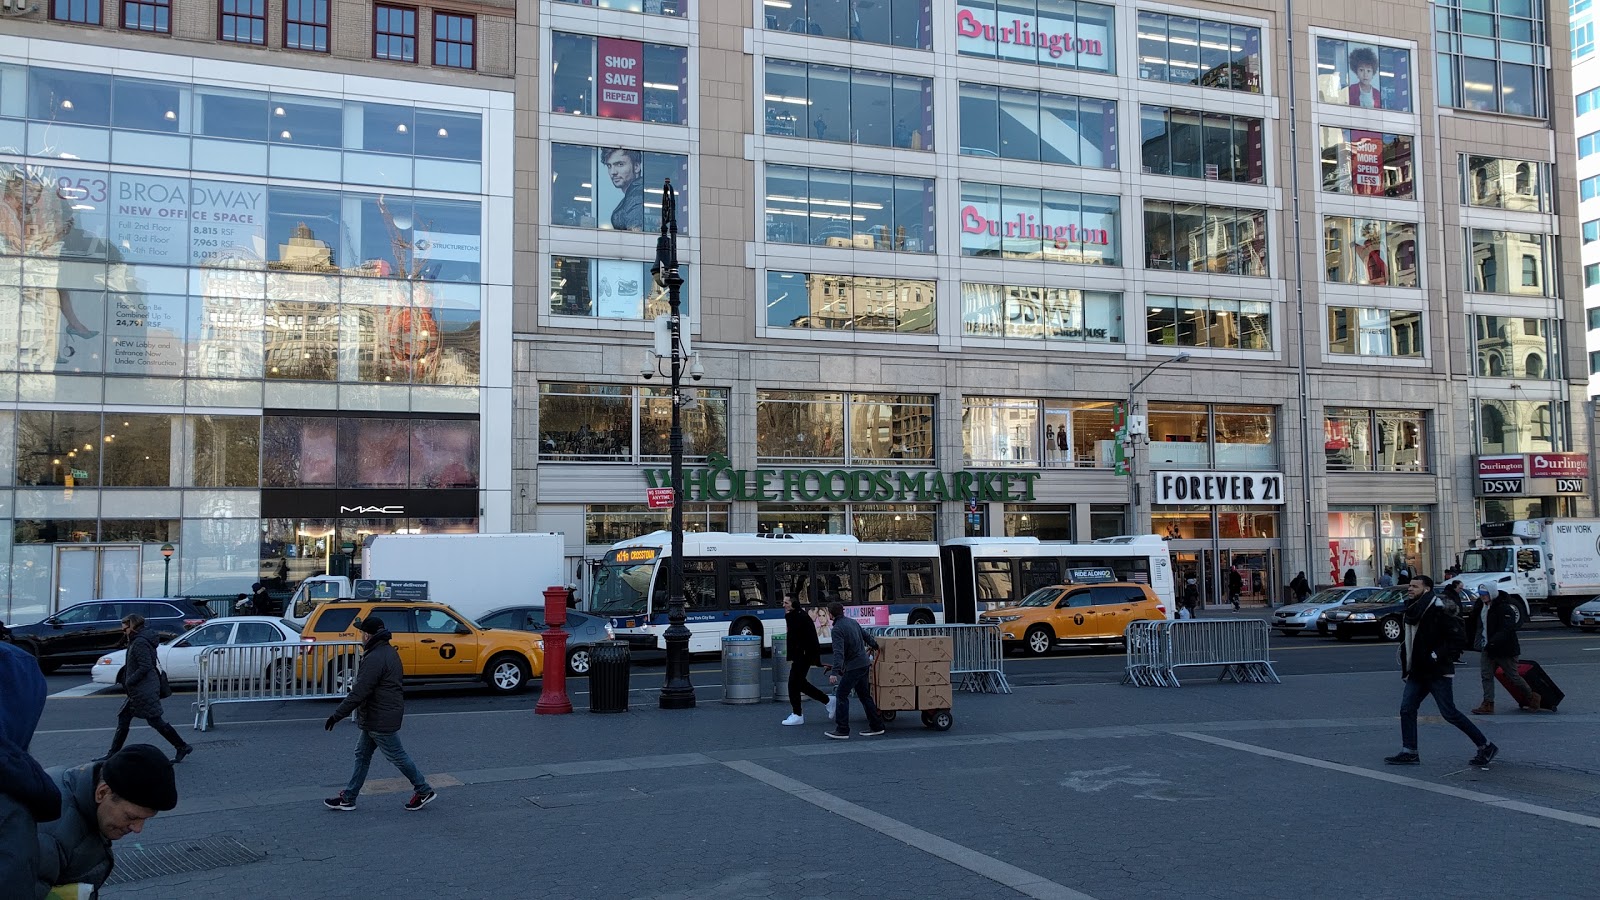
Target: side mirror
182,643
462,629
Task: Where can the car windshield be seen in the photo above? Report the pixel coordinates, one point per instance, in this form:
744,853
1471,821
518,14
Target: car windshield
620,589
1332,595
1388,595
289,625
1045,596
1486,559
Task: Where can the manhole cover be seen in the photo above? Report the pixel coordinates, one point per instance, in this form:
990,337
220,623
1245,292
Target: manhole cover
154,860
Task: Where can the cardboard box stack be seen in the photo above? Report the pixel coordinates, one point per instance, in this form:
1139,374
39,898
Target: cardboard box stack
913,673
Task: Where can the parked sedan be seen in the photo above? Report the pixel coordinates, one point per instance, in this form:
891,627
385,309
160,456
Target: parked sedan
583,631
1587,616
1299,618
1377,616
181,658
83,631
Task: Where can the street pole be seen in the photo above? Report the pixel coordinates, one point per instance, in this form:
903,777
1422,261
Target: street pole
1127,437
676,691
166,571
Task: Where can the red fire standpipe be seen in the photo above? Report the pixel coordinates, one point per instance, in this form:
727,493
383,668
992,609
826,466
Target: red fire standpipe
553,698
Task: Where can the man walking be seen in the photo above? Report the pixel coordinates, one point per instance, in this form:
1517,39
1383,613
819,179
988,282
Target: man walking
1235,586
101,802
1433,640
379,702
141,680
1494,636
851,666
804,651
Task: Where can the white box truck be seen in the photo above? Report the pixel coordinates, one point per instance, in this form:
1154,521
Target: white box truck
471,573
1545,564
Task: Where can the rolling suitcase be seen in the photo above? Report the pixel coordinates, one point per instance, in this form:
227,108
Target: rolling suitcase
1534,674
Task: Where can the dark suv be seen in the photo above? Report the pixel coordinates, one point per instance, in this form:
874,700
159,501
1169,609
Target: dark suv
83,632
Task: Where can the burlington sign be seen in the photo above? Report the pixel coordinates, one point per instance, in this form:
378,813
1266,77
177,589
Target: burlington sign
721,482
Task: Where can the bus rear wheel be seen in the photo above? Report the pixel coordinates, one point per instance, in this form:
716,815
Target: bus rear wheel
920,617
746,625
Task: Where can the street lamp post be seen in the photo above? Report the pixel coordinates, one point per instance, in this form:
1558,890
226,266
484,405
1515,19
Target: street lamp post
676,691
166,559
1127,436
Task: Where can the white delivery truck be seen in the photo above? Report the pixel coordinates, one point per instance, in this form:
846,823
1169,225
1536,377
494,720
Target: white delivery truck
471,573
1548,564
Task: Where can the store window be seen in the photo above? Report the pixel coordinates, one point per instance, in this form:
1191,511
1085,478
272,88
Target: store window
1041,314
1188,143
855,106
1375,440
1186,50
604,289
893,522
1494,56
614,187
862,303
1367,163
1208,322
1515,347
394,32
1002,431
1006,222
1071,34
1360,331
619,423
1011,123
242,21
845,428
1202,436
1363,75
352,451
82,12
1501,183
455,40
1508,262
849,210
305,25
227,451
898,23
605,524
1370,251
648,7
1374,541
1107,520
1047,523
643,82
1522,426
1196,237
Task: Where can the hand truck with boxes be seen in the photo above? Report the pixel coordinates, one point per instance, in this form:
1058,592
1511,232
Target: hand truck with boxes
912,674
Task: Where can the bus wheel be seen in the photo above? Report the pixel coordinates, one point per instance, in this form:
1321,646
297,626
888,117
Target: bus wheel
920,617
746,625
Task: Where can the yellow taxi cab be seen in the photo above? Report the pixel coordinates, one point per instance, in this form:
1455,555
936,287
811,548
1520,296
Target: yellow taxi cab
1074,612
436,643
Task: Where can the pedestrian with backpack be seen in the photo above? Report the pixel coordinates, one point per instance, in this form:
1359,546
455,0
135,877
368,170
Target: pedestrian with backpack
1494,636
1434,639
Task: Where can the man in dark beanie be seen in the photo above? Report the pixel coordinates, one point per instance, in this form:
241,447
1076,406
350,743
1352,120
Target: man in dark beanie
101,803
379,702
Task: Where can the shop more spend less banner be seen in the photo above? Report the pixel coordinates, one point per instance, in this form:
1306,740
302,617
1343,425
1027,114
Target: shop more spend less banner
721,482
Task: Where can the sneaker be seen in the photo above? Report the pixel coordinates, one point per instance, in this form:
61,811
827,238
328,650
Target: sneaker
340,802
1486,755
1403,758
418,801
836,735
873,732
833,702
183,751
794,720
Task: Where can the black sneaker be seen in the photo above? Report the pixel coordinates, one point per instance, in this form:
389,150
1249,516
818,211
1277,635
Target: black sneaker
1403,758
837,736
340,802
873,732
183,751
1486,755
418,801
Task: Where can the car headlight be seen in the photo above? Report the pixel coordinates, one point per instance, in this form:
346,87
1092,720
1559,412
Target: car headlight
1322,618
1004,618
104,661
1362,617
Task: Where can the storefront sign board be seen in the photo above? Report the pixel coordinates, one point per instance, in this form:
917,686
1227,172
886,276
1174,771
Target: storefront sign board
1219,488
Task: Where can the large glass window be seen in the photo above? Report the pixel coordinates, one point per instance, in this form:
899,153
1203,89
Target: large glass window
1370,542
1514,347
227,451
860,210
1006,222
1500,183
1370,251
1367,163
1522,426
636,81
614,187
649,7
1185,50
1508,262
1006,431
1369,76
608,523
603,288
845,428
617,423
1494,55
1040,313
1201,436
1208,322
1375,440
1072,34
857,106
1195,237
851,303
1055,128
899,23
1191,144
353,451
1360,331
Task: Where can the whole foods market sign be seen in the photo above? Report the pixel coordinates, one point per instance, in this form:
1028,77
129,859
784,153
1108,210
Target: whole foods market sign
720,482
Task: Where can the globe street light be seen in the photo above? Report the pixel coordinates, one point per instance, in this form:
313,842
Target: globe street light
166,559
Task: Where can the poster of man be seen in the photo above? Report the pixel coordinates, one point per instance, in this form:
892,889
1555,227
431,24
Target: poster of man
625,170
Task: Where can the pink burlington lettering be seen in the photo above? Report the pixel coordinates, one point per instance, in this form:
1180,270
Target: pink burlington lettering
1022,34
1029,227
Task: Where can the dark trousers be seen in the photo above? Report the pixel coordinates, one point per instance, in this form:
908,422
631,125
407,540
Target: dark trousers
1442,689
855,680
125,719
799,684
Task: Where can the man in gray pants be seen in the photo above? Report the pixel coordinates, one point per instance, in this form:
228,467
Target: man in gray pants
851,666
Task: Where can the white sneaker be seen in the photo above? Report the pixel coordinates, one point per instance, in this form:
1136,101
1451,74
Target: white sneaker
794,720
832,702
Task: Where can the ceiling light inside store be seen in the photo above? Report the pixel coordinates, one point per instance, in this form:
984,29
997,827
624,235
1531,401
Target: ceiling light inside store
66,104
171,116
278,111
443,133
286,135
401,128
661,87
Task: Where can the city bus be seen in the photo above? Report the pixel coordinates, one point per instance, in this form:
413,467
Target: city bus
988,572
735,584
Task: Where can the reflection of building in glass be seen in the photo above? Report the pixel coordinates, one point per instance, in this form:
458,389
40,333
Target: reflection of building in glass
1512,347
867,304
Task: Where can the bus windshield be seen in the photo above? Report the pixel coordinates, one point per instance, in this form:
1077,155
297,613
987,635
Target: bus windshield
621,589
1488,559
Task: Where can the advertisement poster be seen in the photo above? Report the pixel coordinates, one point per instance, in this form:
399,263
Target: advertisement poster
440,245
619,288
620,68
1366,163
144,334
227,221
1367,76
176,221
620,192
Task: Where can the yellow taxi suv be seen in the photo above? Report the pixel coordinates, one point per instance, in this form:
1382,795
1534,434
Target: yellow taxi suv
435,643
1063,613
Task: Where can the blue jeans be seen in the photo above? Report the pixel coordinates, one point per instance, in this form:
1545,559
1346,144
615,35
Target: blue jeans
1443,691
855,680
393,752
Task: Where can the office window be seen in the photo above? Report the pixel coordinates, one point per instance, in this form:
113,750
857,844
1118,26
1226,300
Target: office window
1006,222
1037,313
1375,440
1589,188
851,303
1588,101
1055,128
1494,55
243,21
838,208
1594,312
648,7
615,187
455,40
1591,277
1367,163
394,33
1208,322
640,82
1370,251
305,25
1594,362
1185,50
1582,40
1188,143
1195,237
1500,183
1507,262
1061,33
900,23
147,15
1357,331
83,12
856,106
1589,144
1591,231
1514,347
1363,75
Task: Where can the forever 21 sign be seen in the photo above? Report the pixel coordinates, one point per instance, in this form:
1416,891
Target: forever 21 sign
1220,488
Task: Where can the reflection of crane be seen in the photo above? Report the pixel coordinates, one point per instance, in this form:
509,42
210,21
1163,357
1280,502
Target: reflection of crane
410,331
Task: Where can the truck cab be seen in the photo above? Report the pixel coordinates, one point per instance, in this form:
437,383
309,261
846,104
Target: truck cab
1547,564
312,593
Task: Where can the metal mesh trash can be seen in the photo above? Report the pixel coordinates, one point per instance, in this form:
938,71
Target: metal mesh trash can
780,668
741,668
609,670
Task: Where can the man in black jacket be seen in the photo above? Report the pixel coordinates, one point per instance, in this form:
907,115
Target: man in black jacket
1428,652
1494,636
379,702
141,680
851,669
804,651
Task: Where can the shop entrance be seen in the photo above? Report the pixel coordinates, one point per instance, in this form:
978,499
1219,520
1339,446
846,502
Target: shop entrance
92,571
1211,570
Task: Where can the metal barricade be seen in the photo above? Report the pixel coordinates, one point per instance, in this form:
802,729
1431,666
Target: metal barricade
1156,650
253,673
978,659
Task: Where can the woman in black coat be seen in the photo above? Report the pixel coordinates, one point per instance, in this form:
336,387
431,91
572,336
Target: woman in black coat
804,651
142,682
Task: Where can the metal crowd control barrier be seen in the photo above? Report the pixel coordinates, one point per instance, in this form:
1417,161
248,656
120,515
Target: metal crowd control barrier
252,673
1156,650
978,660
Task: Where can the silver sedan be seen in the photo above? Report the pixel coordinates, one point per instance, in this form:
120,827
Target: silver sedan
1301,618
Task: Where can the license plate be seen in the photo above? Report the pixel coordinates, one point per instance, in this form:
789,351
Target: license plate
1332,627
1588,621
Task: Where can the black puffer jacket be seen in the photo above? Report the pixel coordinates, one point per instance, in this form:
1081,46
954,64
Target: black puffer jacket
378,697
139,675
1425,651
1500,637
801,643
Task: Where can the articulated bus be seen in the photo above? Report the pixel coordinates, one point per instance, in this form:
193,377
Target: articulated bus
735,584
985,573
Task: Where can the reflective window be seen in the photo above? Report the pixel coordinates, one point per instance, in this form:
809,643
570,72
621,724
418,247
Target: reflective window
648,7
394,32
58,448
455,40
1588,101
1370,251
841,429
1517,184
614,423
638,82
858,106
69,98
147,15
1208,322
608,523
614,187
1191,144
1041,313
1185,50
1003,431
1358,331
1591,277
243,21
1195,237
1367,163
227,451
1522,426
851,303
604,289
1001,221
1198,436
1055,128
1494,55
860,210
83,12
1514,347
899,23
1375,440
1071,34
305,25
1588,144
1508,262
354,451
1369,76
